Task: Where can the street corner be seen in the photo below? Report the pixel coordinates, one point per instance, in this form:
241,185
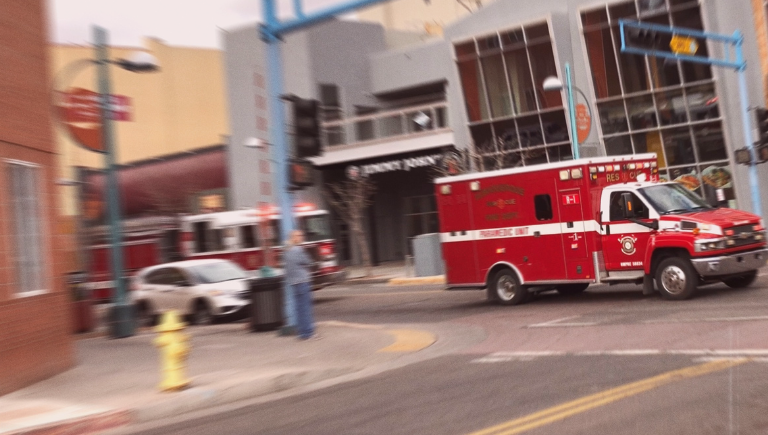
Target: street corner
408,340
420,280
389,340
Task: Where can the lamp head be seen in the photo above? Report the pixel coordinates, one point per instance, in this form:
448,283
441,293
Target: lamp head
254,142
552,83
139,61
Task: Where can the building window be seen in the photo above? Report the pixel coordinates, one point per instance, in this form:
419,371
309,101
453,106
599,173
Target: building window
26,212
645,104
330,102
512,120
543,205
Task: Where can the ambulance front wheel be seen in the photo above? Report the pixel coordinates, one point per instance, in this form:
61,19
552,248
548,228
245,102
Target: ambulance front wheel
676,279
506,289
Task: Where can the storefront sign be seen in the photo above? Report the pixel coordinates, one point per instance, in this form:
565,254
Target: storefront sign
80,113
405,164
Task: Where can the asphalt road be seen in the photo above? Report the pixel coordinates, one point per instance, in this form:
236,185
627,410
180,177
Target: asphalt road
609,361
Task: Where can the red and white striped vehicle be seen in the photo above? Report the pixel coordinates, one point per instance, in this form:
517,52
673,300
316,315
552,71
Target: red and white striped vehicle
248,237
570,224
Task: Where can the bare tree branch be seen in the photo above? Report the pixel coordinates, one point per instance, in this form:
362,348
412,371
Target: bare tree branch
350,199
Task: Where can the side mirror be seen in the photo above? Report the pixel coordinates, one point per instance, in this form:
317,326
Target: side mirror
627,207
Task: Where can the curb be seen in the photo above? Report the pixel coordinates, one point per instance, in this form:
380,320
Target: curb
204,397
363,281
92,424
439,279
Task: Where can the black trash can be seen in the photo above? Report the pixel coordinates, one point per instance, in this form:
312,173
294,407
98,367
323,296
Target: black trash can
266,303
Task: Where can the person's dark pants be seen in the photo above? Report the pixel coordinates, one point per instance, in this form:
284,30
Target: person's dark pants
305,320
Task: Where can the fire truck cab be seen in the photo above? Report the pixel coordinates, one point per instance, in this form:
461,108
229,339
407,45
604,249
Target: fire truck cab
570,224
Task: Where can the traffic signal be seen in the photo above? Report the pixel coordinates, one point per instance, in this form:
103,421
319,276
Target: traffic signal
762,153
761,116
299,174
743,156
306,128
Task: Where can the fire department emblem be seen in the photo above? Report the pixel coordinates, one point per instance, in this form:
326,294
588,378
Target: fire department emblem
628,244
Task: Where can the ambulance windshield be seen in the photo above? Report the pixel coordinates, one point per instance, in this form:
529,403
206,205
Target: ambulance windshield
673,198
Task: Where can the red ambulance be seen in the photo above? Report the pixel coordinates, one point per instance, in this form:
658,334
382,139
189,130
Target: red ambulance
570,224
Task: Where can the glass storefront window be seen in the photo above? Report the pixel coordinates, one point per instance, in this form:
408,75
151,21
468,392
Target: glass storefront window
634,74
506,132
512,38
560,153
474,96
612,117
702,102
622,10
536,32
649,142
543,66
618,145
678,146
605,73
710,142
594,17
688,176
496,84
671,107
523,94
647,7
555,127
535,156
717,177
482,136
642,113
529,129
502,78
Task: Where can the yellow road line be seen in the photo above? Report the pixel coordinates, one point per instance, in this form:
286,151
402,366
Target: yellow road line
409,340
562,411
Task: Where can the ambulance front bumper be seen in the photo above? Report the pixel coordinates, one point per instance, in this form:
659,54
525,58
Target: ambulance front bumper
732,264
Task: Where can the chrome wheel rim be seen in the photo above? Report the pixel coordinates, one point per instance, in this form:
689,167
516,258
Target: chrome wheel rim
505,288
673,279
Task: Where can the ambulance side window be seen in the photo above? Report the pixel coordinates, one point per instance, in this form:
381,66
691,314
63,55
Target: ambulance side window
248,237
617,213
543,204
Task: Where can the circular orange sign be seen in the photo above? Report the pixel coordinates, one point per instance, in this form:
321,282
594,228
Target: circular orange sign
583,122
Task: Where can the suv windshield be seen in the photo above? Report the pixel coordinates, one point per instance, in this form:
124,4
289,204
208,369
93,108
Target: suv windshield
218,272
673,198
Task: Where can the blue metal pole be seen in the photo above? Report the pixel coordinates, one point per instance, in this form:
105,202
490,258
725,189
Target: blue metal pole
122,322
572,112
757,207
279,148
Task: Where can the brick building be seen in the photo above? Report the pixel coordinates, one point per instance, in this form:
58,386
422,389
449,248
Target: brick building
35,339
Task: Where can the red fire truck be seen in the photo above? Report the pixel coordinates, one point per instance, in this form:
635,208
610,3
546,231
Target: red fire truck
249,237
570,224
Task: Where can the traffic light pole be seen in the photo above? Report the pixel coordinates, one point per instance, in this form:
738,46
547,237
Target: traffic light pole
739,64
271,32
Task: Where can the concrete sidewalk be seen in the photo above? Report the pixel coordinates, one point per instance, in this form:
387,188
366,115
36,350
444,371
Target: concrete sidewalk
392,273
115,382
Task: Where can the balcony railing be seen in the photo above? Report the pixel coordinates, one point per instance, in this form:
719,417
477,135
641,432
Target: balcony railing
385,126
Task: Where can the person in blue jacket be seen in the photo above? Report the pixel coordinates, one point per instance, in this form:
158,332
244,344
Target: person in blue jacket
299,277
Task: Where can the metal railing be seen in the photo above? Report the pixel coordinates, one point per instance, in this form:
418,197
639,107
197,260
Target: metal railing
382,126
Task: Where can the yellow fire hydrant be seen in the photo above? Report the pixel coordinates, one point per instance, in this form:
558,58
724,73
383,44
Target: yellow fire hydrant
174,349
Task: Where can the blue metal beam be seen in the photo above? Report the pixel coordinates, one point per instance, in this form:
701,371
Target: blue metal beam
302,20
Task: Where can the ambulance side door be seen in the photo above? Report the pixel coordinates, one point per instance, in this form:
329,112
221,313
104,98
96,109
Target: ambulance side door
577,264
624,242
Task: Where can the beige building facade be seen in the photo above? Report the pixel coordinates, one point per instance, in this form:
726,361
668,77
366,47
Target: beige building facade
182,107
421,16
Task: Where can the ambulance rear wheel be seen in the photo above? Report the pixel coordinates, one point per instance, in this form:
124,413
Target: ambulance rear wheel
572,289
506,289
676,279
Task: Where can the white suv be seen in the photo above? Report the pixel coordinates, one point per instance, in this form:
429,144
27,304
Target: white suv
199,289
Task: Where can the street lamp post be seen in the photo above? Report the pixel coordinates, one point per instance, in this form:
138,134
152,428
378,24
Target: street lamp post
554,84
